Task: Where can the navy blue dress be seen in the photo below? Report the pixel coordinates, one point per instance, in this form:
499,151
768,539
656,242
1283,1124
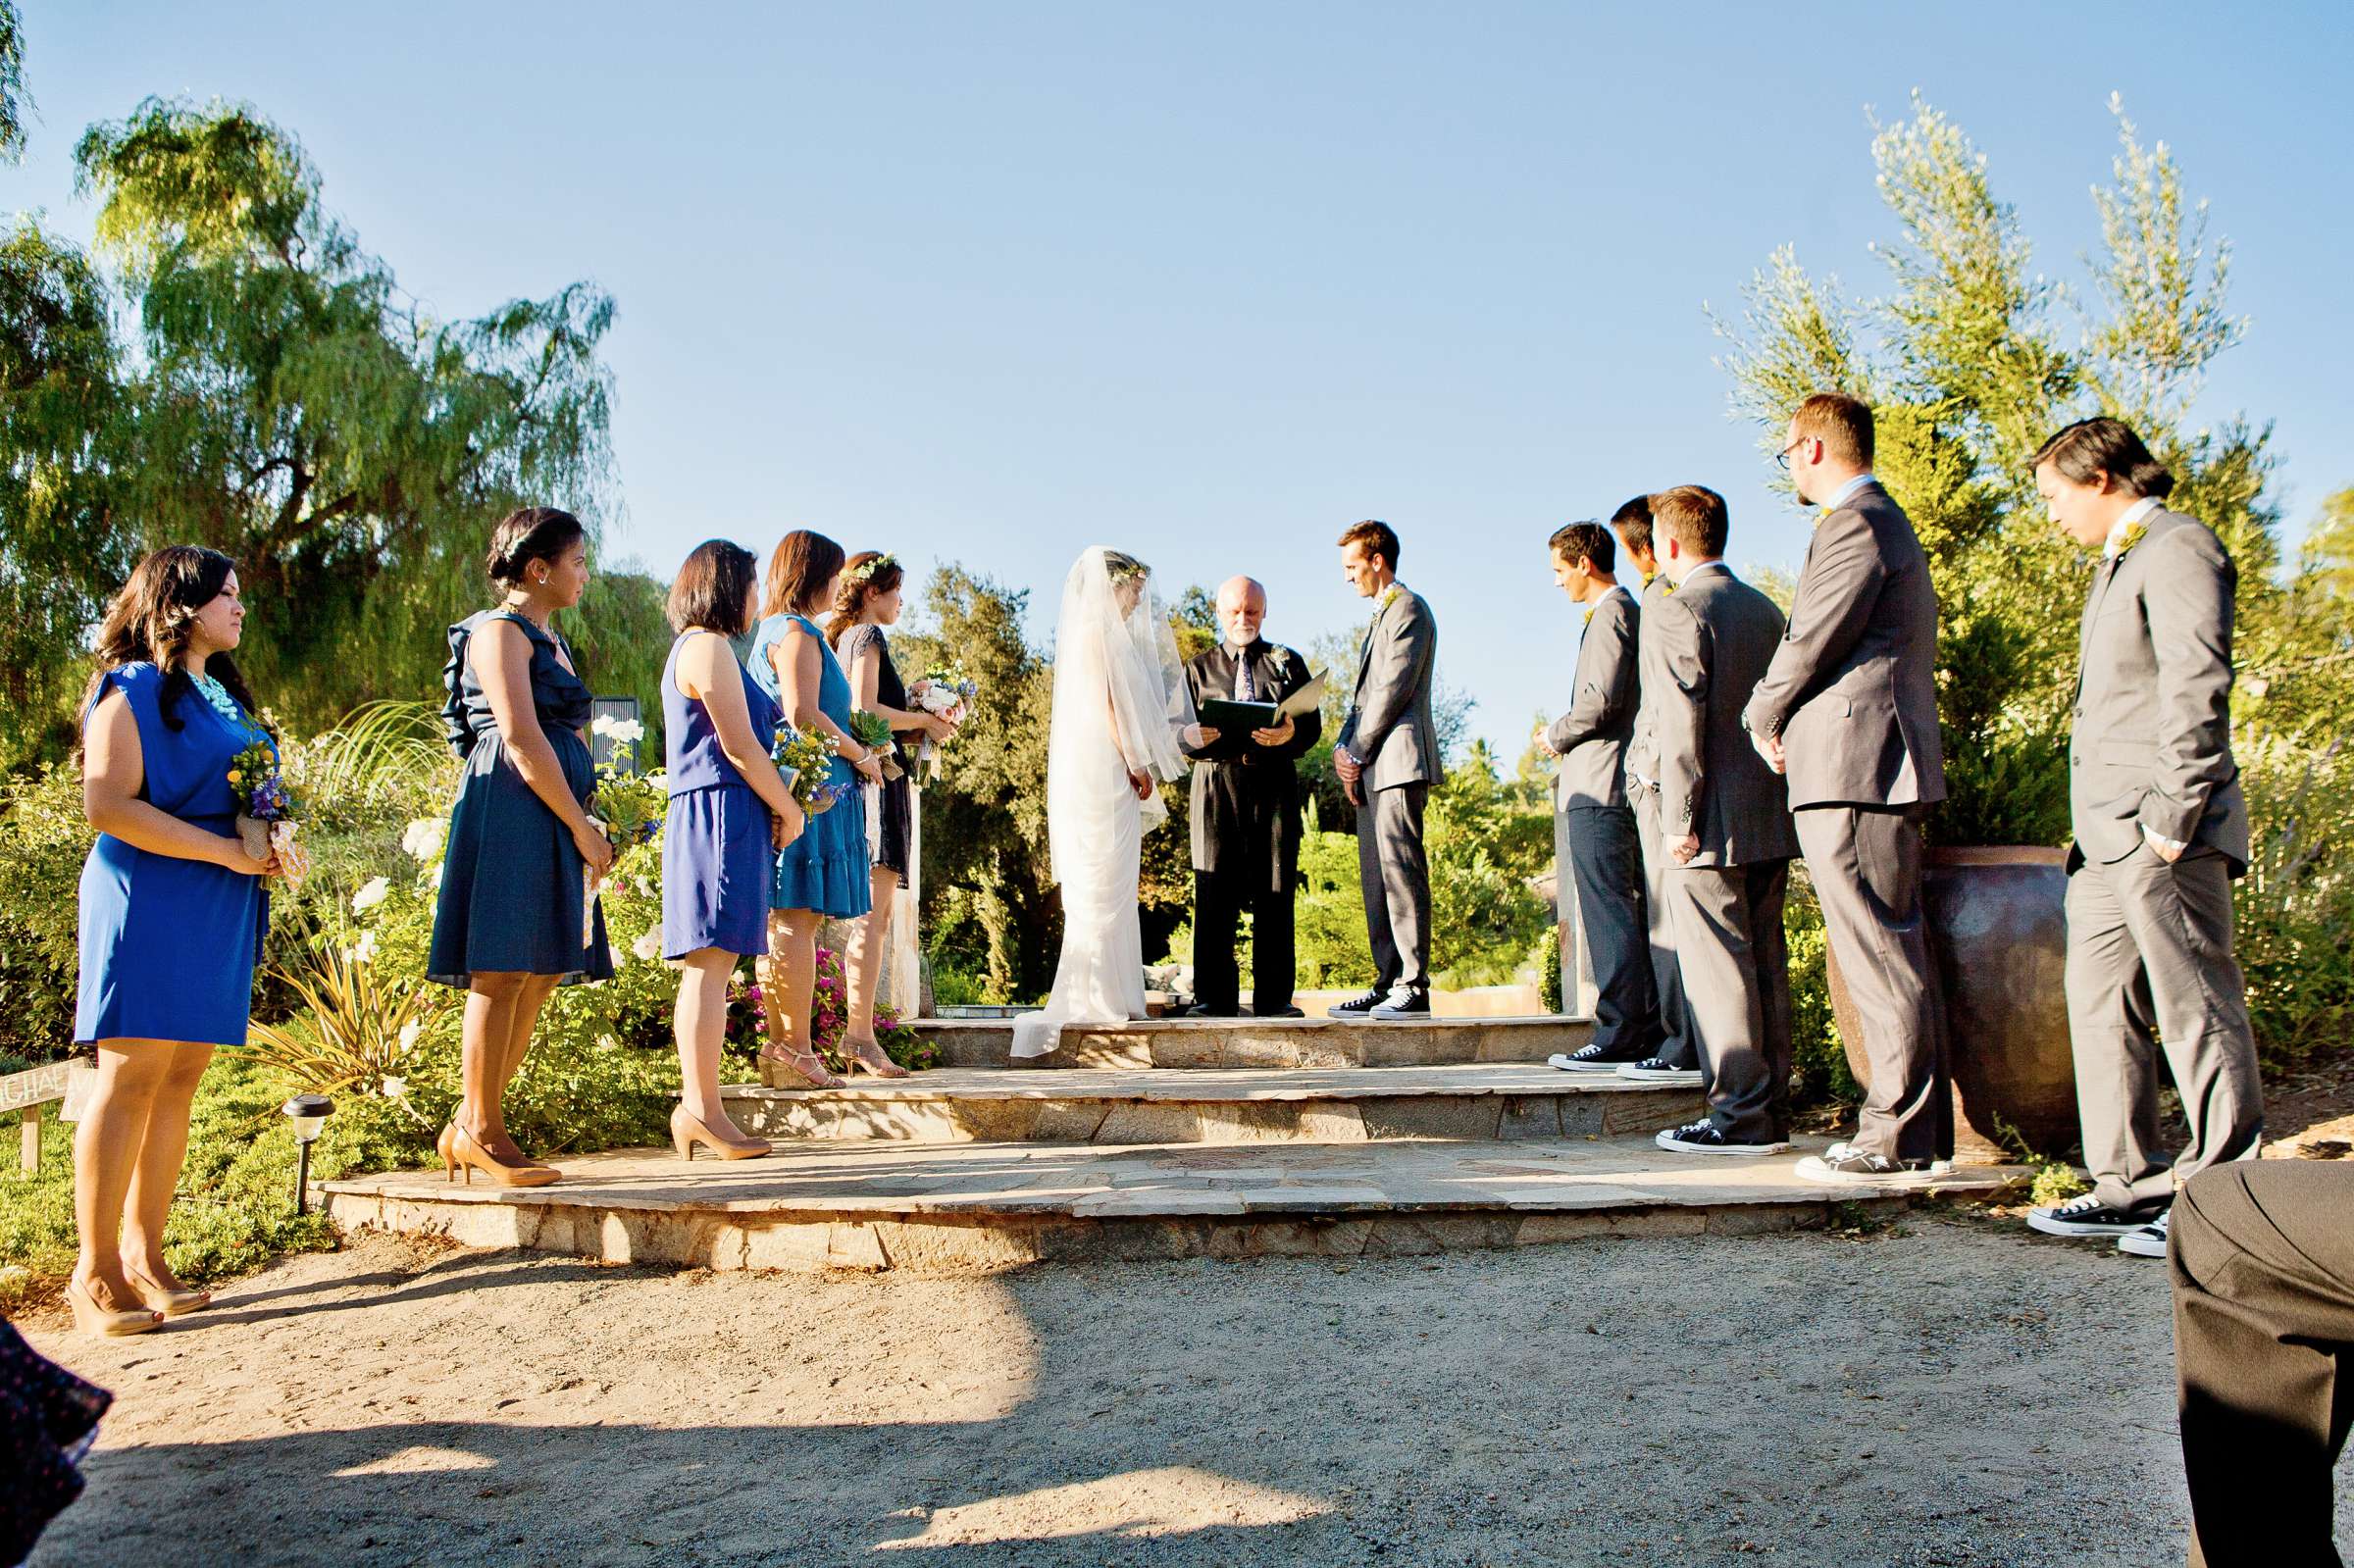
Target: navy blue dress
48,1419
718,859
824,868
512,893
169,945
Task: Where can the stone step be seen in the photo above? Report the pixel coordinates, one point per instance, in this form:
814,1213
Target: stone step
1263,1043
842,1203
1216,1105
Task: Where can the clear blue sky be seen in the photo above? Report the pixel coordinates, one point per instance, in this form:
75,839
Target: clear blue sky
992,282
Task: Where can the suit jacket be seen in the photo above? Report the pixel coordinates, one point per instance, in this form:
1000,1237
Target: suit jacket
1592,736
1715,637
2152,743
1643,747
1852,688
1389,728
1246,796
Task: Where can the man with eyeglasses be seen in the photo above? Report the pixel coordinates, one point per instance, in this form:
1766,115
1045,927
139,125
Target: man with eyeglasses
1848,712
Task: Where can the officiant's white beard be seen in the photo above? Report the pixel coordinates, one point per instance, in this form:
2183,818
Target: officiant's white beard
1243,640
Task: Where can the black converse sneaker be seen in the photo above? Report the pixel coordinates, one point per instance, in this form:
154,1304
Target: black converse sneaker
1404,1004
1703,1137
1595,1057
1653,1070
2086,1216
1357,1006
2149,1241
1846,1164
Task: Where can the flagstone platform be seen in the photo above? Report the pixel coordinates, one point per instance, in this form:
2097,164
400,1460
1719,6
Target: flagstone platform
1218,1105
1264,1042
826,1204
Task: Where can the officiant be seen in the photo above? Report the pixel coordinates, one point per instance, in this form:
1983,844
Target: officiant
1246,809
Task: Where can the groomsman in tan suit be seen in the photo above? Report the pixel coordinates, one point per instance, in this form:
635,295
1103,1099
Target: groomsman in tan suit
1849,713
2161,830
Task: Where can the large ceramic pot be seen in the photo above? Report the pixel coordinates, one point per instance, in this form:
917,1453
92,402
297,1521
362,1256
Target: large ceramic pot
1998,931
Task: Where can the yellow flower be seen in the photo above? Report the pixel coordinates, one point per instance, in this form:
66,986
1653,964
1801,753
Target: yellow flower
236,778
2134,537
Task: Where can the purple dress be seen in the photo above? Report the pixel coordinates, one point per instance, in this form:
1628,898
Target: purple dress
718,859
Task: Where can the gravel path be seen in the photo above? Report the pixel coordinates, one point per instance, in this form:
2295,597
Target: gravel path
1908,1397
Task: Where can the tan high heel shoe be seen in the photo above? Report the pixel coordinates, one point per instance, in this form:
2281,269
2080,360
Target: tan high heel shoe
783,1069
172,1300
461,1151
879,1063
687,1131
105,1322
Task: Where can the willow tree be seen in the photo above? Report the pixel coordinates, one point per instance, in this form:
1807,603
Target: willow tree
1968,369
292,407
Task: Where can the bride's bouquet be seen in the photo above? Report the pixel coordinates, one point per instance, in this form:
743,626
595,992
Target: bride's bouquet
947,692
267,810
807,764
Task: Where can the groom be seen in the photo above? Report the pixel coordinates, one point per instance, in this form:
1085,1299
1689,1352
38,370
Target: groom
1388,758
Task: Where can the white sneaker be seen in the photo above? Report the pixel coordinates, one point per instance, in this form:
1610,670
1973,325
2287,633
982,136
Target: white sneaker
2149,1241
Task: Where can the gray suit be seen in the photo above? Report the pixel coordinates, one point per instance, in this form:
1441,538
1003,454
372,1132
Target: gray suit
1675,1047
1390,730
1604,859
2149,943
1715,637
1852,695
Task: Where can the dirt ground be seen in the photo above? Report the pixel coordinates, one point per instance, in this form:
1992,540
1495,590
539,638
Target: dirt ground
1951,1392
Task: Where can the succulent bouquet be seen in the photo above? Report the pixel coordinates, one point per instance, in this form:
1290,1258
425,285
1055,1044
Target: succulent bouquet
268,811
873,732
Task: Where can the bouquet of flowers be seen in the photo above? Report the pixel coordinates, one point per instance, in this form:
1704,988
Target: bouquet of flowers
807,764
873,732
267,810
946,691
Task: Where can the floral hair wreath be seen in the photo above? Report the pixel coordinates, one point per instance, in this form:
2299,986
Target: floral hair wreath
864,572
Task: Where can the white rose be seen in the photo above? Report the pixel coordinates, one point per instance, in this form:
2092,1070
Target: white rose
375,893
649,945
364,951
426,837
395,1087
409,1032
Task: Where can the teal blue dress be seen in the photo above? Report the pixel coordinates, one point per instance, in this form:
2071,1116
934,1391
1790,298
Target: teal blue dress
512,891
824,868
169,945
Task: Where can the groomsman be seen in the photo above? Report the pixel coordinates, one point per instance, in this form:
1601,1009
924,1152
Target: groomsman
1726,820
1848,709
1388,758
2161,830
1675,1060
1245,813
1605,860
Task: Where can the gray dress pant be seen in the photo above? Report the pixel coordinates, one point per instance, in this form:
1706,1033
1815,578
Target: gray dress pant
2263,1266
1865,866
1736,961
1394,869
1667,976
2149,957
1606,863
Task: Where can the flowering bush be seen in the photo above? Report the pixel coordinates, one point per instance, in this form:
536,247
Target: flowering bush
829,1017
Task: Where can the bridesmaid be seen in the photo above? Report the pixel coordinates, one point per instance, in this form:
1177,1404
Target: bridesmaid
509,924
172,917
823,874
730,810
867,601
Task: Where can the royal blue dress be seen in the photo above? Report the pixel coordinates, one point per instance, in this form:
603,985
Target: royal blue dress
169,945
512,893
718,858
824,868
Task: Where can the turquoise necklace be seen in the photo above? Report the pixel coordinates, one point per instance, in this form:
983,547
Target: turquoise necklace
217,698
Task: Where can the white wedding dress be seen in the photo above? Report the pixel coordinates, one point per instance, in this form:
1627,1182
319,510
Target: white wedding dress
1120,696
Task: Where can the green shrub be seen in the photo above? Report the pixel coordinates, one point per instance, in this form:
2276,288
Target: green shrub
44,842
1817,1057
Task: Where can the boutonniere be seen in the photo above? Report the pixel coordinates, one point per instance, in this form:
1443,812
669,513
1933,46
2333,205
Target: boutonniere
1389,597
1587,619
2133,536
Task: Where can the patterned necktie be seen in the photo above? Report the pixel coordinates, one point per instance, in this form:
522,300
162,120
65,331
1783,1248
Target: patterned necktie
1245,689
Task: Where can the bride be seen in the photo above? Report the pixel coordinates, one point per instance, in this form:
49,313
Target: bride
1121,710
